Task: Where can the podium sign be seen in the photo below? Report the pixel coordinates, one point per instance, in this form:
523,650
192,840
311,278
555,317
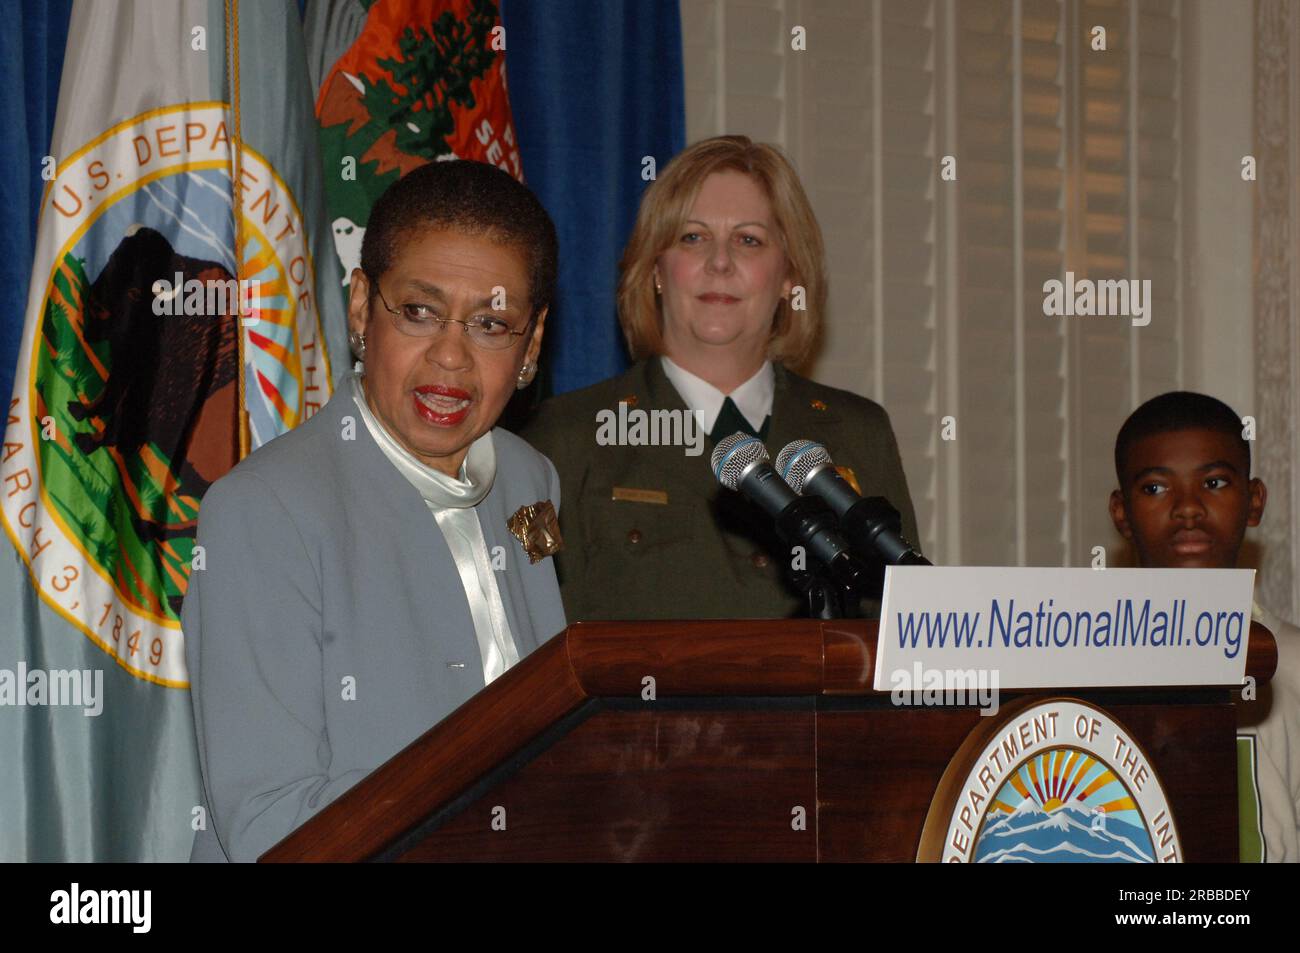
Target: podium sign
1062,628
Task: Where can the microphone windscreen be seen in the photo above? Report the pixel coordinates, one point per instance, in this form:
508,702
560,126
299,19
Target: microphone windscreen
798,459
733,454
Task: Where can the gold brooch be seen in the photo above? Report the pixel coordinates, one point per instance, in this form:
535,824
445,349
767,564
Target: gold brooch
818,405
537,529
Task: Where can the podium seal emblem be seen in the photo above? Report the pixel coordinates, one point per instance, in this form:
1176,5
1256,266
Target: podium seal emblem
1054,781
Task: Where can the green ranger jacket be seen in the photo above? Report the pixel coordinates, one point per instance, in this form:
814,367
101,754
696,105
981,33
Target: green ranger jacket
648,531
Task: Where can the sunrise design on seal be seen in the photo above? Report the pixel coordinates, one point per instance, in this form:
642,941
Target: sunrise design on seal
1063,806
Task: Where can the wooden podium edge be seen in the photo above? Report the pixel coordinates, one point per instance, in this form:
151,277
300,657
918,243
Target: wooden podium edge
442,763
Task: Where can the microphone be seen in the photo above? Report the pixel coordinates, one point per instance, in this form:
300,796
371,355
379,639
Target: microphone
740,462
871,524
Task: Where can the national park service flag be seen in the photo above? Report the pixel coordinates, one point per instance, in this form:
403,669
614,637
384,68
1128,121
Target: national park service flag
402,83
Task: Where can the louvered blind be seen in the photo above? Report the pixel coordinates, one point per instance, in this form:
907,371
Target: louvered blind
1068,159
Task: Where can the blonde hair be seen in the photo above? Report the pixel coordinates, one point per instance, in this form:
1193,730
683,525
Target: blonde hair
664,208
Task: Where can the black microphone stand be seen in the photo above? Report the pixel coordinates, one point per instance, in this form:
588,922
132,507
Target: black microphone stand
833,591
826,600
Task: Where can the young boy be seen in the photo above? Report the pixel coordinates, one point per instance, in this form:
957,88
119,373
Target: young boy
1184,501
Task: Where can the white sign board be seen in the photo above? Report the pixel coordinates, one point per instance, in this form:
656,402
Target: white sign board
1062,628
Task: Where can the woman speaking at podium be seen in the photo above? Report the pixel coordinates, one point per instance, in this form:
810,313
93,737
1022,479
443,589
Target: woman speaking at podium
721,294
372,569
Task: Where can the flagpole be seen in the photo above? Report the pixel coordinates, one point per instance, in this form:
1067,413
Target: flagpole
236,141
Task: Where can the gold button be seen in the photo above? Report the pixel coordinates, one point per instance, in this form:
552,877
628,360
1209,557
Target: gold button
634,536
759,559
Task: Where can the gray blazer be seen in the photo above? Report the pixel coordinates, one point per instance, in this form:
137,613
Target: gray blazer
327,577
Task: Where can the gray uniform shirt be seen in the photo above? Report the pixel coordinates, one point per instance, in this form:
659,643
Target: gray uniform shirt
329,627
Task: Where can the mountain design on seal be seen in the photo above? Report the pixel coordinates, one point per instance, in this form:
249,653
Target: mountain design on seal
1067,834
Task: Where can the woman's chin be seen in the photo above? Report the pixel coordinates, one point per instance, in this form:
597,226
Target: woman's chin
717,335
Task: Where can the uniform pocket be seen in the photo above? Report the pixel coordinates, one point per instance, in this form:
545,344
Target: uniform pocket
642,559
633,530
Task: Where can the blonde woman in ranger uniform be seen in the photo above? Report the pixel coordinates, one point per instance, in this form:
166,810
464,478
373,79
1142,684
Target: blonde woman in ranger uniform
724,238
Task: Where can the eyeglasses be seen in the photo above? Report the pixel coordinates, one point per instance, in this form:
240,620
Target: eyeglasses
419,321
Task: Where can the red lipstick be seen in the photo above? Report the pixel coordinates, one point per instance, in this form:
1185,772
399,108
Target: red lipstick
441,405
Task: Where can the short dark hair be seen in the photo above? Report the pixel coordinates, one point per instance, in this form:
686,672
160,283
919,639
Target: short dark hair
1177,410
470,197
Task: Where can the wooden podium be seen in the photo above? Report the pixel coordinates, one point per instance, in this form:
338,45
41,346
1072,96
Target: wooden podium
753,725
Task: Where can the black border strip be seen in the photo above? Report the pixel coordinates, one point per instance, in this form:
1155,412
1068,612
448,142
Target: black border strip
1103,699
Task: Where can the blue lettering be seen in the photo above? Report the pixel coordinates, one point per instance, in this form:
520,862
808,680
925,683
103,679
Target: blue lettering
1134,632
996,620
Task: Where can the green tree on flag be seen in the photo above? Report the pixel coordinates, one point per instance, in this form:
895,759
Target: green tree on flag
414,85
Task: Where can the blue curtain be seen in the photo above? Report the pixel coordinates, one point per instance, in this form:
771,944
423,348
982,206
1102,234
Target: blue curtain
31,62
595,86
